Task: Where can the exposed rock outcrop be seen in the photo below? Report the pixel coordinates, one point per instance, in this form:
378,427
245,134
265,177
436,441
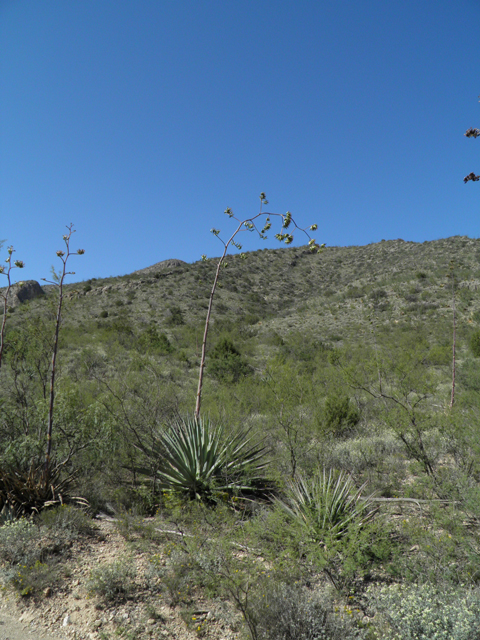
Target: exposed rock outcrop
23,291
160,266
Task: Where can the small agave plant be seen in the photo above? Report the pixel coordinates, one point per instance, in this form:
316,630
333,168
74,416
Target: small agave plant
329,503
201,462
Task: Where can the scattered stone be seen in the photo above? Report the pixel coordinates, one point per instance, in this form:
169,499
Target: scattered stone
47,592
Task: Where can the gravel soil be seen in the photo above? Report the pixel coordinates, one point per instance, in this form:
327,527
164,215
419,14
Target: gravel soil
67,611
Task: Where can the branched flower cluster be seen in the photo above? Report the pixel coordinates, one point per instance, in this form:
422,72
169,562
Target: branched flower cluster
472,177
471,133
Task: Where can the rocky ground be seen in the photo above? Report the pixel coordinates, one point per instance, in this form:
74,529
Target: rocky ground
69,612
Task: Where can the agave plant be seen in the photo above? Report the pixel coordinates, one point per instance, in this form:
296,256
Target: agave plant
329,503
27,491
199,460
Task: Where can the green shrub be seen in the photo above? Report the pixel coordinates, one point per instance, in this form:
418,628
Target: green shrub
475,343
174,577
424,612
175,317
226,363
341,415
151,340
113,582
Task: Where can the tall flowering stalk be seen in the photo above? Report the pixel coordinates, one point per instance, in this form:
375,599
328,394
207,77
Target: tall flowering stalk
58,281
6,271
248,224
472,133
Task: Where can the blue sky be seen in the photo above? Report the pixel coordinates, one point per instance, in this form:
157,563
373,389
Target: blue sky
140,121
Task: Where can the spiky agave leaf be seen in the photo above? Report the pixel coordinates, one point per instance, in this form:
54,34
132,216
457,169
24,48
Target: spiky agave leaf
197,461
327,504
27,491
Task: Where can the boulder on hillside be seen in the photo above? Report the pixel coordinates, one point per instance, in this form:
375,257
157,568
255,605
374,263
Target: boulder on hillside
23,291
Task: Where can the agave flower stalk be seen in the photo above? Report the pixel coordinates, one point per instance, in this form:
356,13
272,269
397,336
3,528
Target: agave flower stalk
248,224
58,281
18,264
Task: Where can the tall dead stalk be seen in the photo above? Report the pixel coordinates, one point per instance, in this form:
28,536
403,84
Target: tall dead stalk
248,224
6,271
58,281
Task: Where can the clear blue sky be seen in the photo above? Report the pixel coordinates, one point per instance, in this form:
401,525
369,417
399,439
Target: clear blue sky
142,120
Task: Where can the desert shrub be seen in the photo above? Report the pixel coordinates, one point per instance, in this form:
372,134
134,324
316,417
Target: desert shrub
378,294
226,362
423,612
104,314
113,582
19,542
26,491
152,340
475,343
329,526
444,553
439,355
341,415
175,316
28,579
173,576
67,520
288,612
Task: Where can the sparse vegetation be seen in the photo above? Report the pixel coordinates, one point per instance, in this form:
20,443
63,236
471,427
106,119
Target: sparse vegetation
338,364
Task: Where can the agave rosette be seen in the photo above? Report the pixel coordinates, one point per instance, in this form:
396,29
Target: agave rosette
198,459
328,503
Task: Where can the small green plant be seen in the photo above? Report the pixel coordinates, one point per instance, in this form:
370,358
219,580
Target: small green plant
29,579
174,575
201,462
175,317
152,340
113,582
